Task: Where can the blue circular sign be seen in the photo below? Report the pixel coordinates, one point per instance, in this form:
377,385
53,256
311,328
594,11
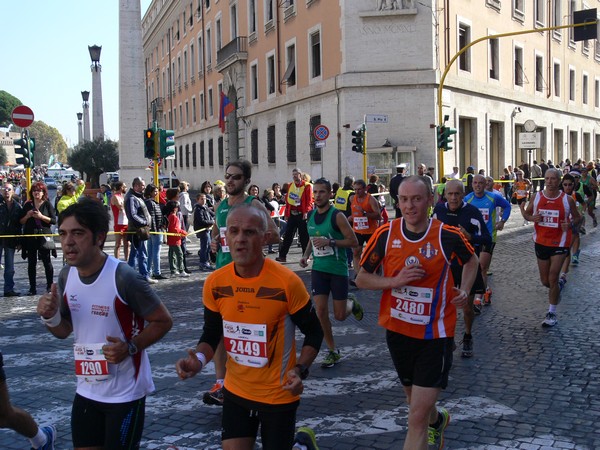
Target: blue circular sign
321,132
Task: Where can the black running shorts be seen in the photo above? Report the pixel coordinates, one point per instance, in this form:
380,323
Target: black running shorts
544,252
323,283
421,362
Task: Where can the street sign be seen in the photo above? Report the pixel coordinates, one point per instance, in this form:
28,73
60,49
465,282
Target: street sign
530,140
376,118
321,132
22,116
320,144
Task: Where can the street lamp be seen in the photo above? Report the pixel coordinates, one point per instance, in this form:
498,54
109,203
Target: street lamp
79,128
85,95
95,55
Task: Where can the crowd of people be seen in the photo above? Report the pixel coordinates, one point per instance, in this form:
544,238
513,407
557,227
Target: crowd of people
429,263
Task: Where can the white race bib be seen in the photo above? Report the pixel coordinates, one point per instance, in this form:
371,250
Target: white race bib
325,251
224,246
361,223
412,304
246,343
90,363
550,218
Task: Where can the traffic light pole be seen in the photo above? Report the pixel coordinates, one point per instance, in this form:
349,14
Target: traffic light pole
156,154
467,47
28,168
364,152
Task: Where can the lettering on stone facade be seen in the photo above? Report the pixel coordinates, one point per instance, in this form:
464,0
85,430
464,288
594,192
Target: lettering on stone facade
385,29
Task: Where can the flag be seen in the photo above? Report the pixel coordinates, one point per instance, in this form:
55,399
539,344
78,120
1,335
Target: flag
225,108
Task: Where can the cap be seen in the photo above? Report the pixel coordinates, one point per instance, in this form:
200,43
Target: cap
575,173
219,183
401,166
470,168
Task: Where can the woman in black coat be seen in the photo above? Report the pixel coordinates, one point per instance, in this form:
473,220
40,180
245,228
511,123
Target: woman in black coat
36,217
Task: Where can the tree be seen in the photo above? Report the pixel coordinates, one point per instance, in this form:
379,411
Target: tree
94,158
8,102
3,156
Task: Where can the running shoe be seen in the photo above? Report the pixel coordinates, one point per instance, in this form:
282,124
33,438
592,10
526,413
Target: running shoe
357,310
562,281
467,343
550,320
50,432
332,358
595,222
436,435
477,306
487,297
352,282
582,230
214,396
305,437
574,260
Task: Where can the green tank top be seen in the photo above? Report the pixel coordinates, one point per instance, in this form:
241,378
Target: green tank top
329,259
223,255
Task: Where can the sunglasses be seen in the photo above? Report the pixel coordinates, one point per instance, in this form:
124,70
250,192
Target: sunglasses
234,176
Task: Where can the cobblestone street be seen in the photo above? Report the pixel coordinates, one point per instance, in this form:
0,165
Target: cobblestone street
525,388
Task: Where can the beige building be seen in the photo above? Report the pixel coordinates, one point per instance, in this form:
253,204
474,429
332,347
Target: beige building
289,66
7,141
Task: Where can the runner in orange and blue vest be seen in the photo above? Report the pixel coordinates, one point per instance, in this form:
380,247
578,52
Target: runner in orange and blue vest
409,259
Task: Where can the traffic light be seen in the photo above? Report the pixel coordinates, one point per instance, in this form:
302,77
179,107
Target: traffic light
441,137
358,140
22,148
167,143
31,149
448,133
149,144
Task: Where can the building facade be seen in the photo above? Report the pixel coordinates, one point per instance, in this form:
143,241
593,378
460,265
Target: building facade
289,66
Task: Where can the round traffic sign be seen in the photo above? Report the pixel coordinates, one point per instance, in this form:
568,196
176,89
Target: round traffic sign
321,132
22,116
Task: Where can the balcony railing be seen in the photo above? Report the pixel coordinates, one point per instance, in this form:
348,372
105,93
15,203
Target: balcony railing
236,50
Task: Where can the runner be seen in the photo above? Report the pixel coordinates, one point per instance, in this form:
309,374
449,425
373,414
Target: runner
413,254
470,221
255,304
238,176
488,203
330,235
365,216
114,316
553,214
568,187
521,189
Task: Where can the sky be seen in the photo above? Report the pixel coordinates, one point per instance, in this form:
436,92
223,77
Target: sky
46,62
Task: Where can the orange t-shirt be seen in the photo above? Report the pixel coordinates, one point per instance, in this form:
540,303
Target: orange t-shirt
361,224
258,333
423,309
554,212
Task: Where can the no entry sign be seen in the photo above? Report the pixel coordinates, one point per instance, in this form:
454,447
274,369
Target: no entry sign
22,116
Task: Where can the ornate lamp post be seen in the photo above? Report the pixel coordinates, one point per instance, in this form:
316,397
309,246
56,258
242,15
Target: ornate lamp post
97,114
79,128
85,95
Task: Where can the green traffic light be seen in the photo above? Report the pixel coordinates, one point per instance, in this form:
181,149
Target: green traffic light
166,143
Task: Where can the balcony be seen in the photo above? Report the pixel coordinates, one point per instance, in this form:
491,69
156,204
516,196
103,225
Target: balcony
157,103
234,51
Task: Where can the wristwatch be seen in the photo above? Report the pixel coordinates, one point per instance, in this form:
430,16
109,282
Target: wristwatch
332,242
132,348
303,371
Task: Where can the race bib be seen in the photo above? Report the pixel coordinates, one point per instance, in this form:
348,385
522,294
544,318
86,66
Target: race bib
361,223
412,304
224,246
293,198
550,218
90,363
246,343
319,252
485,212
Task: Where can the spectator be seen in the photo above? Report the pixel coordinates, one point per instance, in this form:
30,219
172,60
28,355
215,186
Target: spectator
204,219
157,226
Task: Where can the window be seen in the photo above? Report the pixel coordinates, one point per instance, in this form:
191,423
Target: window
175,118
233,18
181,156
210,102
291,141
556,15
271,74
519,10
269,11
572,8
185,67
315,54
584,89
540,16
187,155
289,77
187,114
518,66
194,109
571,85
220,150
315,153
539,73
254,81
208,49
192,60
194,156
597,93
254,146
181,116
464,39
211,156
218,34
556,79
252,16
200,56
494,59
271,144
184,24
202,154
179,72
202,110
